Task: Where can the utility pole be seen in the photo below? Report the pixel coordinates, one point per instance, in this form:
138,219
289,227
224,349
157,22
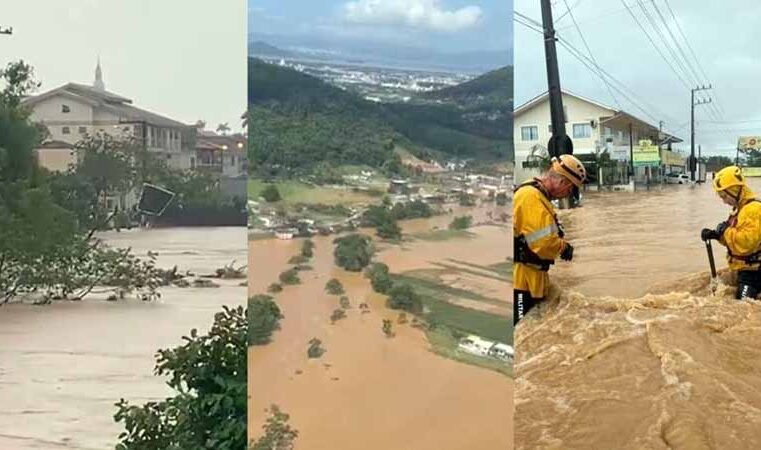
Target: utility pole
693,104
559,143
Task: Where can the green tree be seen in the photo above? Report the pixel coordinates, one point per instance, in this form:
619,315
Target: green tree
290,276
264,318
278,434
380,279
315,349
334,287
461,223
405,298
271,194
307,248
389,230
209,376
353,252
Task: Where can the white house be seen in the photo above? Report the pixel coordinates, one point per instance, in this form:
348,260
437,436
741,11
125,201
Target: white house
73,110
476,345
593,126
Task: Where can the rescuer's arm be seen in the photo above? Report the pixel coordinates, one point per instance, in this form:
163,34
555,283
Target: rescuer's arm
745,237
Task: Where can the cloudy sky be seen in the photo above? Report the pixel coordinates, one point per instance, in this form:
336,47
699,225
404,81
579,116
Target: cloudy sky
185,59
444,25
722,35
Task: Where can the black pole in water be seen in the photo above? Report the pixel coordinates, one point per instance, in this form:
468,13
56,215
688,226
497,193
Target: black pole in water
709,249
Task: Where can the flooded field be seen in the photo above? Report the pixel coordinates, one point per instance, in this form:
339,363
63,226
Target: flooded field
632,351
369,391
63,366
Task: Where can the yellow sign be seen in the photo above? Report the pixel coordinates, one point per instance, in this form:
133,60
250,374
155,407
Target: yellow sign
646,154
749,142
752,171
670,158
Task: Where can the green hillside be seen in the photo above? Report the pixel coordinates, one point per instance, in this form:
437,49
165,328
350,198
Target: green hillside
296,121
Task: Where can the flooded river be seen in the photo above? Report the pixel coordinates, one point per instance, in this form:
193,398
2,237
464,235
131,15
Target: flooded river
368,391
632,351
63,366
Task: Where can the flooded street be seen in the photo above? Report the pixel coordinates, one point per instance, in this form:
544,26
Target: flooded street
632,351
63,366
368,391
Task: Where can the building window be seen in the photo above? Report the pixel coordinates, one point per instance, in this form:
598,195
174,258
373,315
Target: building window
65,130
530,133
65,109
82,130
582,130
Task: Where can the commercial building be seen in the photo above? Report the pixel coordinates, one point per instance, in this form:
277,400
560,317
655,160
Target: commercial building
606,138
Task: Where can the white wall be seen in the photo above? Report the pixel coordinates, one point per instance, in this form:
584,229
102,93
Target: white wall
50,113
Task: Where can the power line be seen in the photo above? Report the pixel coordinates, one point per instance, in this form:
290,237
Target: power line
601,73
603,15
557,21
662,37
686,85
592,56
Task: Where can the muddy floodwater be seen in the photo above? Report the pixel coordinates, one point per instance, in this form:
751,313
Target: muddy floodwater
632,351
63,366
368,391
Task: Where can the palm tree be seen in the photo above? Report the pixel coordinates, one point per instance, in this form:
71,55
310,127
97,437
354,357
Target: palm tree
222,129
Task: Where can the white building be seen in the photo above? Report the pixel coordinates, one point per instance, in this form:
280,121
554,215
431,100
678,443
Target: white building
593,126
73,110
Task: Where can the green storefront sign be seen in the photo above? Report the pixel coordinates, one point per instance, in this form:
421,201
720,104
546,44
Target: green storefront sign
646,154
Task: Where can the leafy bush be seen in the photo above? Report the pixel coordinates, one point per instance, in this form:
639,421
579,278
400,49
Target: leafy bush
461,223
307,248
290,276
278,435
264,318
315,349
275,288
337,315
334,287
209,375
271,194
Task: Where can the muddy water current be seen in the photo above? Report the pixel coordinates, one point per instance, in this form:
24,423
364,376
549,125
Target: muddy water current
632,350
63,366
368,391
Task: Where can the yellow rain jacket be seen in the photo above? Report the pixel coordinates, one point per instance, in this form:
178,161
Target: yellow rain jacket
534,218
743,236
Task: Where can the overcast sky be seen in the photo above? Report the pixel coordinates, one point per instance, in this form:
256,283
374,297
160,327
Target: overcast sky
444,25
723,35
185,59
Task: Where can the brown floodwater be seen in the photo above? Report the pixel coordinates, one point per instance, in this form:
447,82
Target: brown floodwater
368,391
631,350
63,366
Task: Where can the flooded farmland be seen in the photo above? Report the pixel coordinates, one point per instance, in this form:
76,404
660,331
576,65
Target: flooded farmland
368,390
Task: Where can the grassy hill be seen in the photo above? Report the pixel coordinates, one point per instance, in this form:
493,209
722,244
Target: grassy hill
297,121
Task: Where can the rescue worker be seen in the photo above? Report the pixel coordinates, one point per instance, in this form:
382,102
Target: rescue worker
741,233
538,238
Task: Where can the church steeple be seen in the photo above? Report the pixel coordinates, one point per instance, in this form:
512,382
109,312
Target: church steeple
99,78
